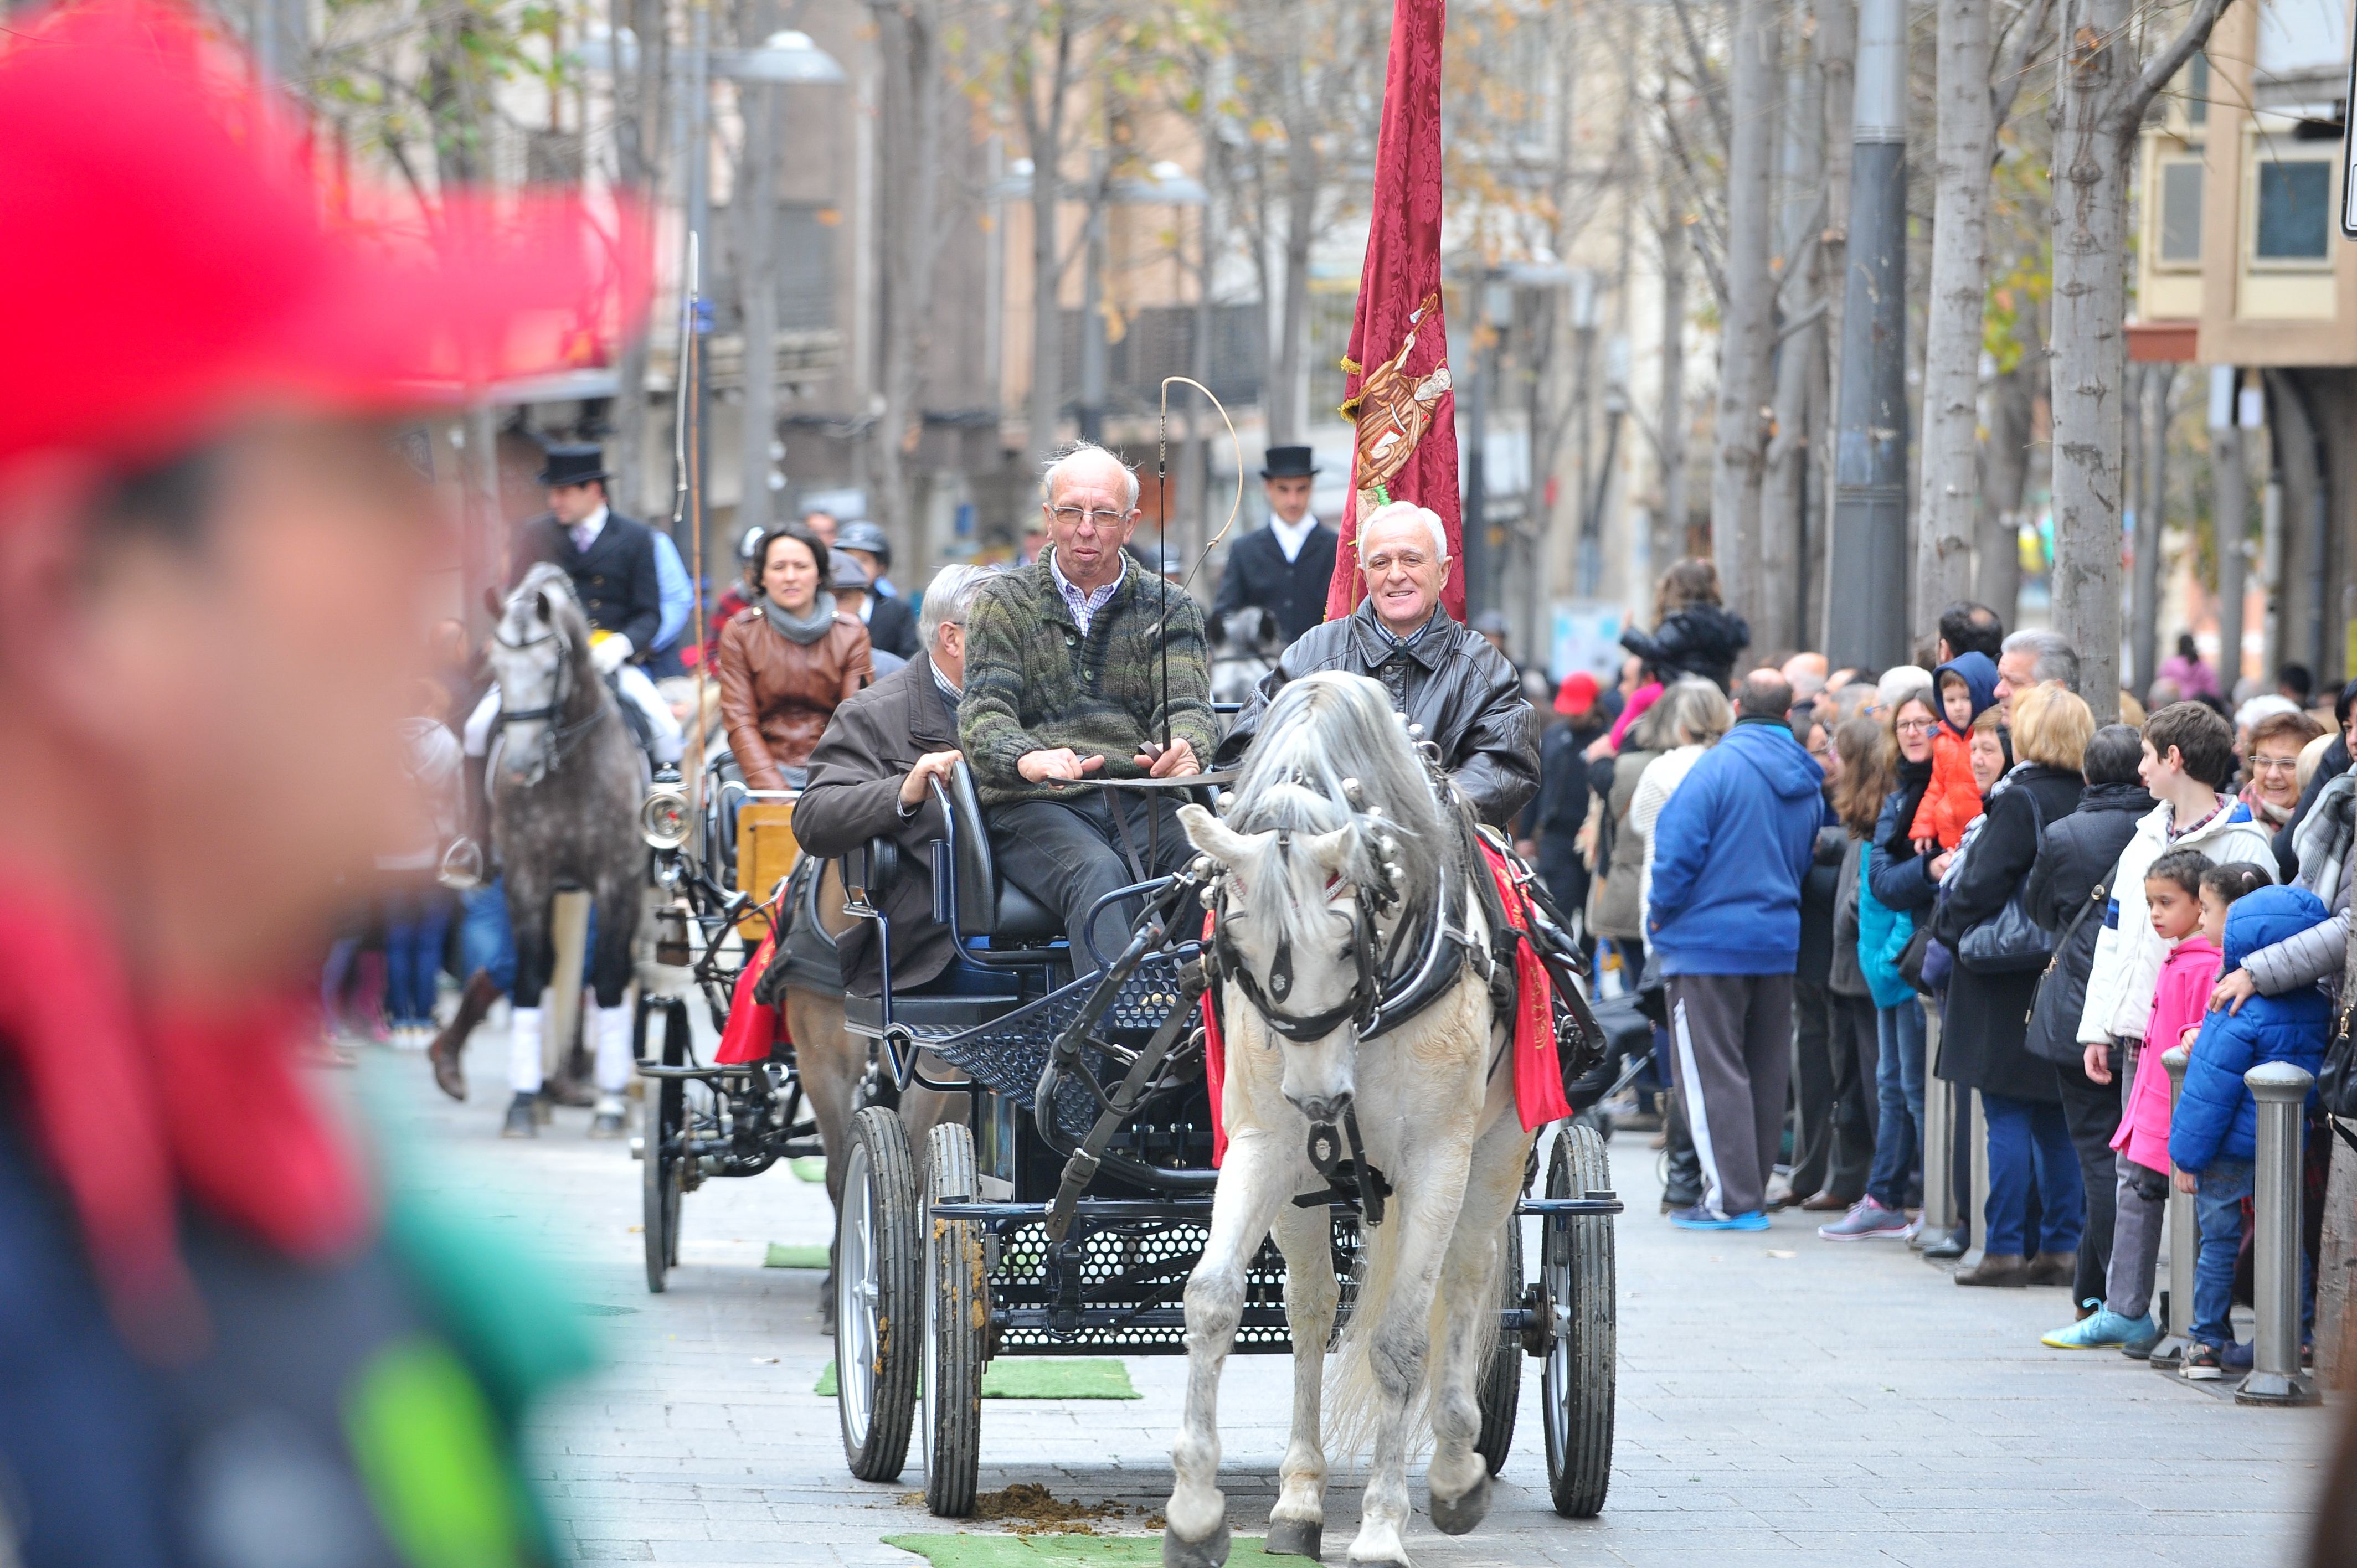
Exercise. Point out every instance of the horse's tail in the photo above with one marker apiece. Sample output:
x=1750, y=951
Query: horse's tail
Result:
x=1353, y=1392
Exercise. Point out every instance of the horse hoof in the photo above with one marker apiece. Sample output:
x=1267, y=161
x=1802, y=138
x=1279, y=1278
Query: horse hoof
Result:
x=1294, y=1538
x=606, y=1125
x=523, y=1118
x=1212, y=1552
x=1460, y=1515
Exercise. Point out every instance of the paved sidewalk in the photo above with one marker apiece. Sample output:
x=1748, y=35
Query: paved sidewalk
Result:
x=1781, y=1400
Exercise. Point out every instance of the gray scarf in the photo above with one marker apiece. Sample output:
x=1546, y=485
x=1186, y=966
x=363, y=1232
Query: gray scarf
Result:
x=805, y=630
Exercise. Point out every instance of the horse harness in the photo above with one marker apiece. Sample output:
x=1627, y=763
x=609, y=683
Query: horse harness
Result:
x=560, y=736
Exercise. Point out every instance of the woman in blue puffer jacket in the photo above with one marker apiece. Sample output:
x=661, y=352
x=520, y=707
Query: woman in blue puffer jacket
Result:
x=2213, y=1134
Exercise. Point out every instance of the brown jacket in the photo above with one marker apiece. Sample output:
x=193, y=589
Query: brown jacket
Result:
x=853, y=795
x=776, y=696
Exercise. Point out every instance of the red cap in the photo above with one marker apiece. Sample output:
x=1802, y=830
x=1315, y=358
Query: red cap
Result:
x=1577, y=694
x=178, y=256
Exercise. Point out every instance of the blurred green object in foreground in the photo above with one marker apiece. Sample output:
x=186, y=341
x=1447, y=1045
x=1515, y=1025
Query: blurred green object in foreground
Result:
x=784, y=1257
x=809, y=1167
x=1040, y=1378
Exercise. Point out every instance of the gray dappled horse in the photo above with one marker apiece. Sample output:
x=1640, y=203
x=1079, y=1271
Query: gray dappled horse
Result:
x=1335, y=841
x=1244, y=646
x=565, y=784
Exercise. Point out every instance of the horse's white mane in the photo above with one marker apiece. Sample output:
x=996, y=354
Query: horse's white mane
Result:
x=1328, y=727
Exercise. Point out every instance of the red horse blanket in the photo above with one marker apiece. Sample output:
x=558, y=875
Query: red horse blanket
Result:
x=1538, y=1072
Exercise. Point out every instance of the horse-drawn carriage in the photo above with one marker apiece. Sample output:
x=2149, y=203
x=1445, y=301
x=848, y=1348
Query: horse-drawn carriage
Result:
x=1058, y=1191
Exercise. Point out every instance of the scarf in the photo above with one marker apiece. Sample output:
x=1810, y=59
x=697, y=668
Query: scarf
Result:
x=1914, y=782
x=2275, y=816
x=136, y=1108
x=803, y=631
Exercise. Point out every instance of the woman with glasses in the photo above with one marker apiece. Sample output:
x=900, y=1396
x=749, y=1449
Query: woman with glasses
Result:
x=2271, y=765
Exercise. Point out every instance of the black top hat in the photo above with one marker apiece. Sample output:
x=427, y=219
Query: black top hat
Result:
x=1287, y=463
x=573, y=465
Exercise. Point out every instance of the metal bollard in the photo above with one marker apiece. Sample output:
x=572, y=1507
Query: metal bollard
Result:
x=2184, y=1236
x=1939, y=1192
x=1976, y=1218
x=2275, y=1377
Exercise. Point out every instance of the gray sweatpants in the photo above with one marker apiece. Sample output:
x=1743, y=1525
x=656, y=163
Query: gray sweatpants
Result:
x=2139, y=1219
x=1731, y=1054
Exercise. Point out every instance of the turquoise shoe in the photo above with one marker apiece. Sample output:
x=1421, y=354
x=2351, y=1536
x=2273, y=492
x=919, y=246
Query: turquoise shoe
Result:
x=2104, y=1329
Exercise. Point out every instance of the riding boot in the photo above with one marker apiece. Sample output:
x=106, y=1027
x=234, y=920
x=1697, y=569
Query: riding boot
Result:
x=450, y=1044
x=613, y=1070
x=1684, y=1188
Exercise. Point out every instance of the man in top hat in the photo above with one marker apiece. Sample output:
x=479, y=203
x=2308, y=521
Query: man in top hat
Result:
x=1285, y=567
x=611, y=560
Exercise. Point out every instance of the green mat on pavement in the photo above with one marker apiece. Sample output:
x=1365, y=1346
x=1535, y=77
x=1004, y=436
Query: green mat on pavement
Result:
x=1037, y=1378
x=1047, y=1550
x=782, y=1257
x=809, y=1167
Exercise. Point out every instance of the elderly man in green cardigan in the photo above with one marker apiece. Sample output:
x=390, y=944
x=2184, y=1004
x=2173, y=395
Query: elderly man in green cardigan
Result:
x=1064, y=685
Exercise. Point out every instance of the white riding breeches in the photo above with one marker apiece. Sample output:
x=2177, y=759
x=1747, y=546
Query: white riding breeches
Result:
x=636, y=688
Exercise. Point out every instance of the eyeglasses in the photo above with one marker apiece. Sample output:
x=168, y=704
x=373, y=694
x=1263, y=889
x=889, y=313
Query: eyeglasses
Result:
x=2273, y=764
x=1074, y=515
x=1918, y=727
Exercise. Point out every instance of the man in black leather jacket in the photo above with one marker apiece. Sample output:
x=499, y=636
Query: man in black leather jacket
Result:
x=1441, y=674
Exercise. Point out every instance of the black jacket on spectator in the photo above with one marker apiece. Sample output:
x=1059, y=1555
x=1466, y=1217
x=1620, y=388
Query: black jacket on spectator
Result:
x=1258, y=573
x=1555, y=814
x=1900, y=879
x=891, y=624
x=1820, y=892
x=1450, y=680
x=1848, y=976
x=615, y=576
x=2330, y=765
x=1987, y=1018
x=2077, y=853
x=1700, y=639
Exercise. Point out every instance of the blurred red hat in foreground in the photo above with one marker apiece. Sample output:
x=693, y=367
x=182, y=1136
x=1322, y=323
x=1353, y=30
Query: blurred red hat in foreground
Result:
x=178, y=256
x=1577, y=694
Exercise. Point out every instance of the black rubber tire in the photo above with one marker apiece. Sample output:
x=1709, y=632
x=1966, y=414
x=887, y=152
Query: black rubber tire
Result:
x=662, y=1174
x=1576, y=1261
x=957, y=1305
x=878, y=1249
x=1499, y=1389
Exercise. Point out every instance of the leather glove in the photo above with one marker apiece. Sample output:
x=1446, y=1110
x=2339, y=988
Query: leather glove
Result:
x=609, y=653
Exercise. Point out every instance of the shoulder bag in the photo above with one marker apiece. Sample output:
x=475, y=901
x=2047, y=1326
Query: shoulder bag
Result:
x=2010, y=941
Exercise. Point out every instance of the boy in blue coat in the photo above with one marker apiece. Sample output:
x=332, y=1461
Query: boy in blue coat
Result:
x=2213, y=1135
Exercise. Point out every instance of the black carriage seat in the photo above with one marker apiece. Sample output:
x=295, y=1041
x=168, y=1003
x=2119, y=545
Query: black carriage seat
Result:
x=969, y=896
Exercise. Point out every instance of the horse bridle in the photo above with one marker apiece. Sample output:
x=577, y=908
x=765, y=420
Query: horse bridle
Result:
x=559, y=736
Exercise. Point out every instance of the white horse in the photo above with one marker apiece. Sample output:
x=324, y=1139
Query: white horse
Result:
x=1245, y=644
x=1336, y=841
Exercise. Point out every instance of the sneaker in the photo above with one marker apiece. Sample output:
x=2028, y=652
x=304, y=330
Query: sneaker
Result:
x=1866, y=1220
x=2202, y=1363
x=2105, y=1329
x=1701, y=1219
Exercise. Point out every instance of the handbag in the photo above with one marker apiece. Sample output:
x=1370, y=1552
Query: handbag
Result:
x=2336, y=1075
x=2010, y=940
x=1910, y=961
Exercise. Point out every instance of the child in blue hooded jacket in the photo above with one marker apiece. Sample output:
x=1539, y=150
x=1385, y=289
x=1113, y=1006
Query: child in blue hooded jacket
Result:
x=2213, y=1135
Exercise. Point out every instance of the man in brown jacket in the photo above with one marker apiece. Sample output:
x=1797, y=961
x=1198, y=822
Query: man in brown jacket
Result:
x=871, y=776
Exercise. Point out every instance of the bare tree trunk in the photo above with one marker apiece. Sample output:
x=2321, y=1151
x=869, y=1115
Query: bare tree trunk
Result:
x=2005, y=475
x=1287, y=398
x=483, y=563
x=2152, y=506
x=914, y=231
x=1784, y=489
x=2229, y=513
x=1837, y=46
x=1670, y=533
x=1952, y=329
x=755, y=211
x=2099, y=103
x=639, y=109
x=1747, y=332
x=1043, y=128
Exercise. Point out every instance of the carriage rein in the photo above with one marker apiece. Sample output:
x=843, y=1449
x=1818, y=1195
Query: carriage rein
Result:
x=559, y=736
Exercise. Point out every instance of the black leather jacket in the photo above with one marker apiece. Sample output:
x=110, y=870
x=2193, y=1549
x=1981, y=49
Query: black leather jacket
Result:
x=1700, y=639
x=1462, y=691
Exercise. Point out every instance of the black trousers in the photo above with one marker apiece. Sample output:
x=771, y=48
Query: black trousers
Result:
x=1069, y=853
x=1812, y=1085
x=1854, y=1051
x=2091, y=1110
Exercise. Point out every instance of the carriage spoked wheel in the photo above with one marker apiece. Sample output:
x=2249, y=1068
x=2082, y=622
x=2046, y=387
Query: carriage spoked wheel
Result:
x=662, y=1155
x=1575, y=1268
x=1500, y=1392
x=879, y=1270
x=957, y=1303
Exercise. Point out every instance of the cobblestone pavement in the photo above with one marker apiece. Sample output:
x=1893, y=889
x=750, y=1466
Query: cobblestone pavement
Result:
x=1781, y=1400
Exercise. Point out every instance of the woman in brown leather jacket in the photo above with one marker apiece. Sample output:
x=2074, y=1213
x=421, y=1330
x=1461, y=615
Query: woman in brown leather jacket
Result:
x=786, y=660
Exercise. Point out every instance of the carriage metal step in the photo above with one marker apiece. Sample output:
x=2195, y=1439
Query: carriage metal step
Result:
x=1598, y=1200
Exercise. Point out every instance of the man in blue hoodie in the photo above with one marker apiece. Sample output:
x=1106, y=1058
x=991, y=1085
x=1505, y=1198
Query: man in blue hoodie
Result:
x=1729, y=852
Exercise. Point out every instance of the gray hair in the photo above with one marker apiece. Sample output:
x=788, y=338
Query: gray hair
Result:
x=1694, y=708
x=1053, y=471
x=2056, y=660
x=1392, y=511
x=947, y=599
x=1321, y=730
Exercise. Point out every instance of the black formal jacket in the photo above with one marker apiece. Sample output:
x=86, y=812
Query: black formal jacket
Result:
x=892, y=625
x=853, y=795
x=1985, y=1033
x=1462, y=691
x=2076, y=856
x=1258, y=573
x=615, y=579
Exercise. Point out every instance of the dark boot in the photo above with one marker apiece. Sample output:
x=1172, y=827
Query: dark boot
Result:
x=2054, y=1268
x=1683, y=1189
x=523, y=1119
x=1996, y=1269
x=450, y=1044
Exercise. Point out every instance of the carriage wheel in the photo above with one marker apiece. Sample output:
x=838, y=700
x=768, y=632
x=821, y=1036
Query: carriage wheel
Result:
x=1575, y=1265
x=662, y=1156
x=957, y=1303
x=1500, y=1390
x=877, y=1262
